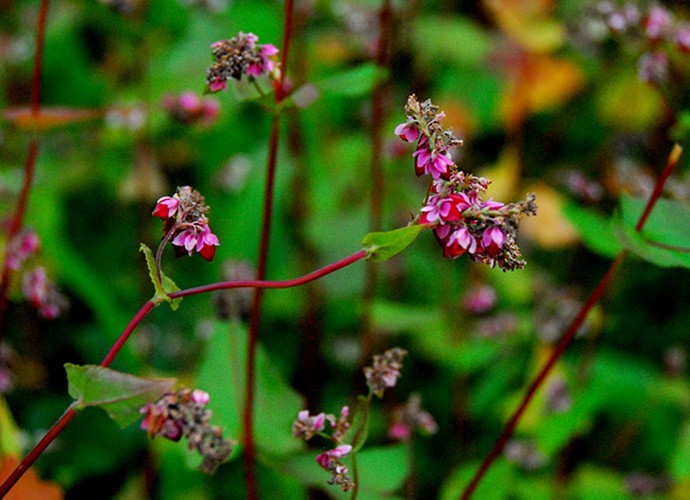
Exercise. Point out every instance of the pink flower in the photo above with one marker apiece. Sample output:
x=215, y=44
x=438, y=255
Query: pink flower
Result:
x=658, y=23
x=217, y=85
x=326, y=458
x=459, y=242
x=166, y=207
x=189, y=102
x=683, y=37
x=408, y=132
x=435, y=164
x=198, y=238
x=20, y=248
x=266, y=65
x=400, y=432
x=200, y=397
x=492, y=240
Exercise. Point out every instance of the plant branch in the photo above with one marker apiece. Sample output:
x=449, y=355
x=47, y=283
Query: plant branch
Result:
x=570, y=333
x=255, y=322
x=30, y=165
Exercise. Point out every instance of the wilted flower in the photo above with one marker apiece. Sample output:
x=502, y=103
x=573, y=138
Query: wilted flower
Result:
x=238, y=56
x=330, y=461
x=189, y=108
x=385, y=371
x=184, y=414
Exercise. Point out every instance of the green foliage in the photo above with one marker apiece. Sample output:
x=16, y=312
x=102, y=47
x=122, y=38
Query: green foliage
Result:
x=383, y=246
x=162, y=286
x=121, y=395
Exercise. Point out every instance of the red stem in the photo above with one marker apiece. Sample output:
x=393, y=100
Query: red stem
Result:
x=146, y=308
x=19, y=471
x=569, y=334
x=29, y=167
x=255, y=322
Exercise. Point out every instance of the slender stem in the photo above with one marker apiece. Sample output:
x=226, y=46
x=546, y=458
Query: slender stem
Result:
x=377, y=178
x=570, y=333
x=255, y=322
x=145, y=309
x=29, y=167
x=159, y=252
x=363, y=423
x=19, y=471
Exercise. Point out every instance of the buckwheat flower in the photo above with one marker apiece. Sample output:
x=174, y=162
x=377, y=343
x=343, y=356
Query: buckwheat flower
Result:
x=237, y=56
x=330, y=461
x=184, y=414
x=186, y=223
x=459, y=242
x=492, y=240
x=340, y=426
x=43, y=294
x=20, y=248
x=266, y=65
x=683, y=37
x=652, y=67
x=166, y=207
x=658, y=23
x=385, y=371
x=431, y=163
x=480, y=299
x=306, y=426
x=409, y=418
x=408, y=132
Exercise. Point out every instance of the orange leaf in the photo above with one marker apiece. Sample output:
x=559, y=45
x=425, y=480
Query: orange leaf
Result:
x=47, y=118
x=30, y=485
x=529, y=23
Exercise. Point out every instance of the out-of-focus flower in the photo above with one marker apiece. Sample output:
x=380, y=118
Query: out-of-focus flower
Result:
x=189, y=108
x=330, y=461
x=306, y=426
x=409, y=418
x=238, y=56
x=385, y=371
x=43, y=294
x=479, y=299
x=20, y=248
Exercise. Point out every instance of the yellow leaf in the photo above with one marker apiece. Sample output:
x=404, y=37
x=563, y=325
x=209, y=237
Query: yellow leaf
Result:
x=549, y=228
x=30, y=485
x=528, y=23
x=504, y=175
x=48, y=118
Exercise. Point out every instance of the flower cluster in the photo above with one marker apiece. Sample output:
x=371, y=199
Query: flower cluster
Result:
x=238, y=56
x=42, y=292
x=188, y=108
x=654, y=28
x=186, y=223
x=462, y=221
x=20, y=248
x=307, y=426
x=410, y=417
x=385, y=371
x=184, y=413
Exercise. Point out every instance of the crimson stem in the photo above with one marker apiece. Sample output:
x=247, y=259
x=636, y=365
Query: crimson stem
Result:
x=510, y=426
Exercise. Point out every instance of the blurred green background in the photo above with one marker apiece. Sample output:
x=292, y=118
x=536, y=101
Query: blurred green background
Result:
x=547, y=99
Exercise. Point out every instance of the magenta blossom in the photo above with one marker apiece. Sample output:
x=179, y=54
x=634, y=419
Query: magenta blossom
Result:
x=492, y=240
x=325, y=458
x=166, y=207
x=199, y=238
x=408, y=132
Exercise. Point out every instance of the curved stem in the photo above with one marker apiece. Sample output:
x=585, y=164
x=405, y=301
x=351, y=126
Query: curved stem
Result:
x=159, y=252
x=570, y=332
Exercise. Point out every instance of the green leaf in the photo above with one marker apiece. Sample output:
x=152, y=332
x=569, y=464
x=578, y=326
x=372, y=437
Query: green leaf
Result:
x=594, y=229
x=665, y=239
x=497, y=484
x=383, y=246
x=121, y=395
x=680, y=459
x=352, y=82
x=276, y=403
x=162, y=289
x=453, y=40
x=361, y=421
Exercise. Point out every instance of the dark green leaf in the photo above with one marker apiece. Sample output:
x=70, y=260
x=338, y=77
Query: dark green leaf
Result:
x=119, y=394
x=383, y=246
